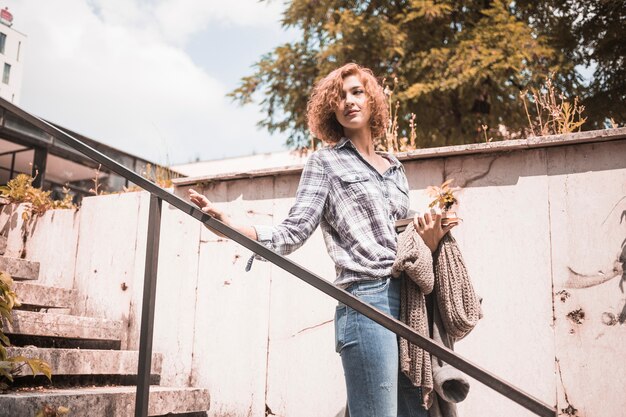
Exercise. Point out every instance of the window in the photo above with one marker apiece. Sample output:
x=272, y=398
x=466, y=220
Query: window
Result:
x=6, y=74
x=3, y=40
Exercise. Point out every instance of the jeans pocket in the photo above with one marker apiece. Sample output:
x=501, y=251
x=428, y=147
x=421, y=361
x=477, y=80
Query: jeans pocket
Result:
x=371, y=287
x=341, y=317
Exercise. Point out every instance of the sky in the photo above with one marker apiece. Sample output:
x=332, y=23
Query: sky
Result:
x=149, y=77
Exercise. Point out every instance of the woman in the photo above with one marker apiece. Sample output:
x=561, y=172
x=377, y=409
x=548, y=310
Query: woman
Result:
x=355, y=194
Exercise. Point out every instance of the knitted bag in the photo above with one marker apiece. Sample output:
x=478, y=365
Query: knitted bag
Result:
x=458, y=304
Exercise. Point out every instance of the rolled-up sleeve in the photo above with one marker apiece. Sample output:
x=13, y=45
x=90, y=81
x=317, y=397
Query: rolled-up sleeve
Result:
x=304, y=216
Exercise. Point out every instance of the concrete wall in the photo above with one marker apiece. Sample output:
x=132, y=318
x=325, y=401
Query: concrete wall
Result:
x=544, y=228
x=32, y=237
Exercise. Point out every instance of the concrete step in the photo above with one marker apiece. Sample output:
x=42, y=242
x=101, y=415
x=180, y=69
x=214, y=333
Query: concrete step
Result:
x=19, y=269
x=86, y=361
x=62, y=326
x=34, y=295
x=105, y=401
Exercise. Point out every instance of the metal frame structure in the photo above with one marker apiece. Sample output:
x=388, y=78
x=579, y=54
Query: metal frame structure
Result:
x=158, y=195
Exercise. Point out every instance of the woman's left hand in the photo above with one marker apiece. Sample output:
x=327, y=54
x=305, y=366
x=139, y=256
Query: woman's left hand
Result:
x=430, y=229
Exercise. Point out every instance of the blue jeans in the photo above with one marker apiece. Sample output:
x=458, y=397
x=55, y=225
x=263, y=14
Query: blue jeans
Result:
x=369, y=354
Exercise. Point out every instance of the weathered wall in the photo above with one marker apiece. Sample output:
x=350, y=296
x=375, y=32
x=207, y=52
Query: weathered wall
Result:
x=543, y=231
x=513, y=238
x=588, y=230
x=33, y=237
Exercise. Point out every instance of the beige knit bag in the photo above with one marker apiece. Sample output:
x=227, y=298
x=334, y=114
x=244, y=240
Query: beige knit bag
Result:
x=415, y=261
x=458, y=304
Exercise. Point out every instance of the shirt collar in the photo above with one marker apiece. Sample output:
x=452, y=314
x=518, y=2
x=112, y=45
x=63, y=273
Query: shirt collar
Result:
x=395, y=162
x=344, y=141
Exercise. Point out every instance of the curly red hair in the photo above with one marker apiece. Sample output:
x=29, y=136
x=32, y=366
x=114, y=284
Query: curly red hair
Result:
x=327, y=95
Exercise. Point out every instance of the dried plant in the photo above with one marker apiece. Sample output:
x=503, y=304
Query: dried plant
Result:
x=485, y=128
x=393, y=142
x=161, y=176
x=443, y=195
x=96, y=183
x=554, y=114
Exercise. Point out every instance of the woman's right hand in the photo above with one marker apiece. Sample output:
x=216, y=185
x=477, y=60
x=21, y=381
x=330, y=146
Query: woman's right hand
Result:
x=209, y=208
x=205, y=204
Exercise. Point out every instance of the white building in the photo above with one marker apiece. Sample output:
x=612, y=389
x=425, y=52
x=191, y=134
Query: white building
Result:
x=11, y=56
x=242, y=164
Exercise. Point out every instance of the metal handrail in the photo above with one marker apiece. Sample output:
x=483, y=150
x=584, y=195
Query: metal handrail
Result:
x=158, y=194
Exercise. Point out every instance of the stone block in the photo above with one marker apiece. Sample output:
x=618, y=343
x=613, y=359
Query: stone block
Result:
x=51, y=239
x=43, y=296
x=104, y=401
x=19, y=269
x=110, y=256
x=86, y=361
x=14, y=228
x=176, y=286
x=63, y=326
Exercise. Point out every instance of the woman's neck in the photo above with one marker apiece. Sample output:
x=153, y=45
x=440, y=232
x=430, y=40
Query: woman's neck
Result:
x=362, y=141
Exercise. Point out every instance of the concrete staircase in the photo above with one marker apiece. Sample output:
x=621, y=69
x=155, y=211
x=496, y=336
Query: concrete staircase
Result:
x=91, y=375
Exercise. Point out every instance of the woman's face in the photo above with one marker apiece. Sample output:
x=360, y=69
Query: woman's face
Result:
x=353, y=112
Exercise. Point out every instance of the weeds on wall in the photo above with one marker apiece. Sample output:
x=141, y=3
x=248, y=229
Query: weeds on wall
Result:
x=11, y=365
x=552, y=112
x=547, y=109
x=161, y=176
x=394, y=142
x=20, y=190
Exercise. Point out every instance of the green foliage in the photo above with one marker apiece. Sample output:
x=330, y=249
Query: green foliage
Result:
x=10, y=365
x=20, y=190
x=459, y=65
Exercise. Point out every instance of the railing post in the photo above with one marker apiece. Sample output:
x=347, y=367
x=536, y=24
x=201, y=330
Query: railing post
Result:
x=147, y=308
x=39, y=166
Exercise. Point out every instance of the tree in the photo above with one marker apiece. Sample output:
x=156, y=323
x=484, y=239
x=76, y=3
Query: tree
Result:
x=590, y=34
x=457, y=65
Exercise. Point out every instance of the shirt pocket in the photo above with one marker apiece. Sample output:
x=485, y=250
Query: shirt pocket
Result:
x=356, y=186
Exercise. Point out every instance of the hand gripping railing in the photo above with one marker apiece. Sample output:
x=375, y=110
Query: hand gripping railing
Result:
x=157, y=194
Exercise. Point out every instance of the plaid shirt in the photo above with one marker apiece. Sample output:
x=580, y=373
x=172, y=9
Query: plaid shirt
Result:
x=356, y=207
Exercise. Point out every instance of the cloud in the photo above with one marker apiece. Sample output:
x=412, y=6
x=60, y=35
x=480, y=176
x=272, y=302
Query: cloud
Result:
x=115, y=70
x=180, y=18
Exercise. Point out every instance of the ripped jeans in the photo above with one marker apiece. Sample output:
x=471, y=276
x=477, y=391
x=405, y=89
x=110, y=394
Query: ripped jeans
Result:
x=369, y=355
